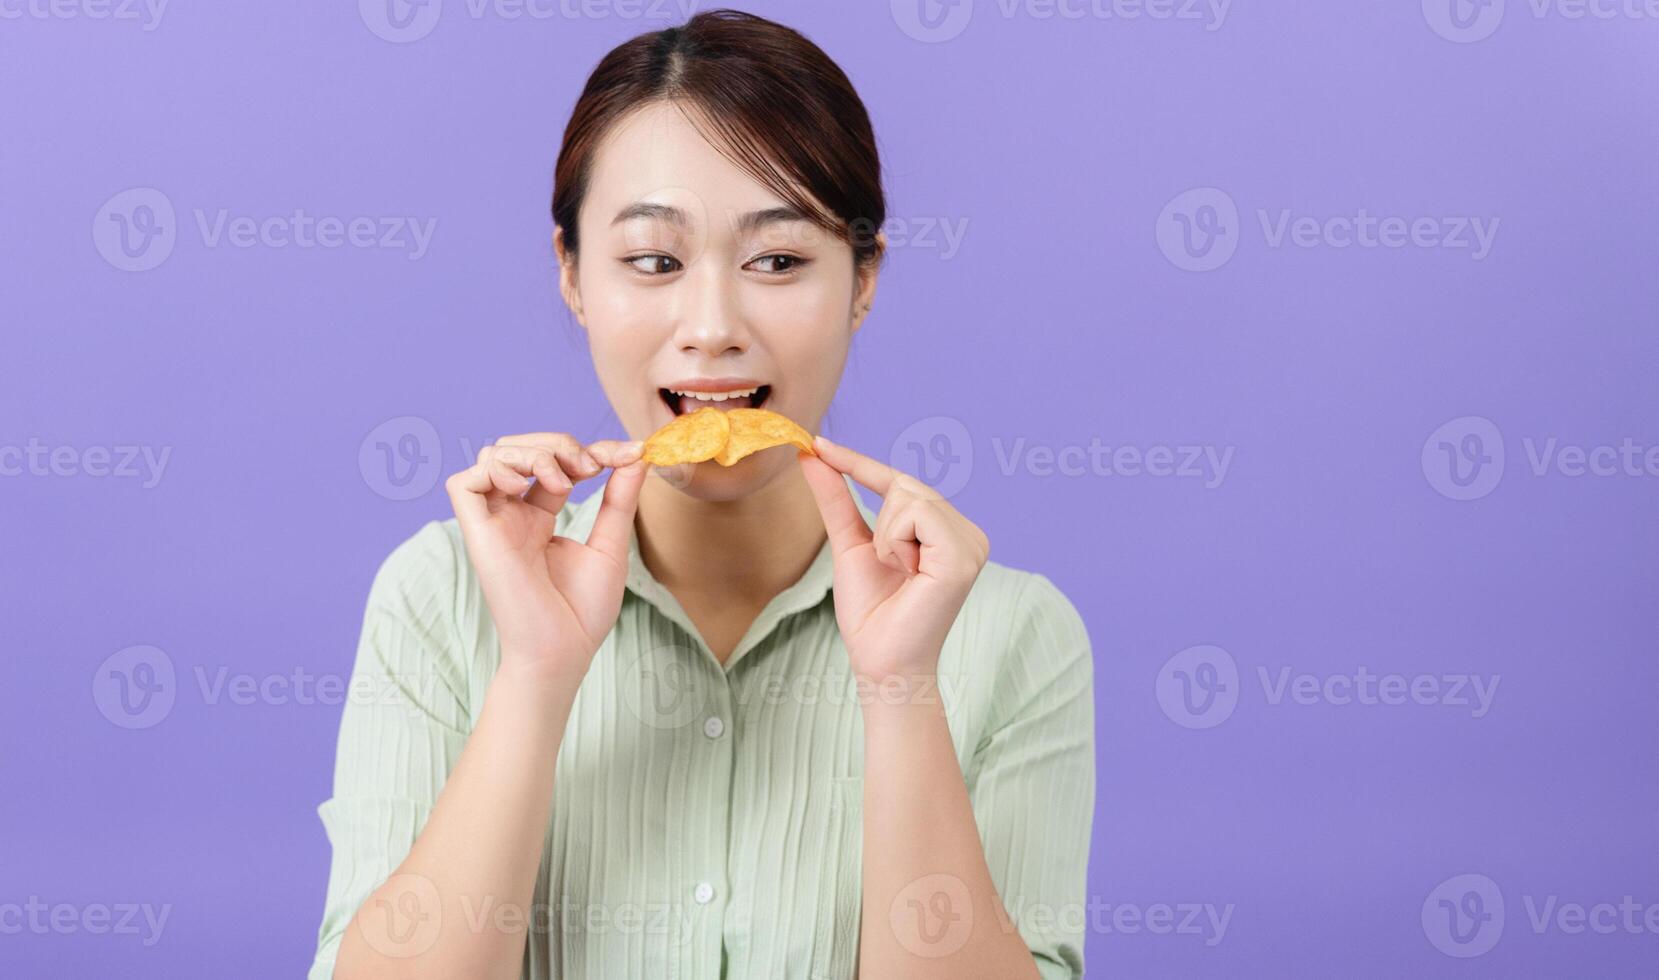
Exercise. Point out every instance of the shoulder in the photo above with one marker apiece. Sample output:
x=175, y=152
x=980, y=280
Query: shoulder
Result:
x=1022, y=613
x=1018, y=648
x=420, y=572
x=426, y=621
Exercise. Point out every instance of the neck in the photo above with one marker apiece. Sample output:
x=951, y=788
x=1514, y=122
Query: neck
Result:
x=749, y=549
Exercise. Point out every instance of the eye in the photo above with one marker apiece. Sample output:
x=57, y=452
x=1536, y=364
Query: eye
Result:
x=654, y=264
x=780, y=264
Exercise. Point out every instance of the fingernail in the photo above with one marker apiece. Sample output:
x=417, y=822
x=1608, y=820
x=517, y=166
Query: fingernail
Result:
x=822, y=441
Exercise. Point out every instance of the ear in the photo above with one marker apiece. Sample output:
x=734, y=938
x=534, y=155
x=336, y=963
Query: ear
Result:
x=567, y=276
x=864, y=295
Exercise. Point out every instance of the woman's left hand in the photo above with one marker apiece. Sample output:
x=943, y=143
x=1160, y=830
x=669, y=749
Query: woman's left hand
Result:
x=899, y=586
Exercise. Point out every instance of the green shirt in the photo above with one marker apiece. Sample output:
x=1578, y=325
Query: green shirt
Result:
x=707, y=818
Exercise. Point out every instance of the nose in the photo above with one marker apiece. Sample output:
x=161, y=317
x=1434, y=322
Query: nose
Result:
x=710, y=322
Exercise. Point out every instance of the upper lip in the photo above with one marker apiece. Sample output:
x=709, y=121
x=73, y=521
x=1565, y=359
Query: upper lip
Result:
x=713, y=384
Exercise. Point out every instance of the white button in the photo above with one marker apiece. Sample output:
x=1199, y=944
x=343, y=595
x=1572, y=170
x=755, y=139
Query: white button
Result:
x=704, y=893
x=713, y=726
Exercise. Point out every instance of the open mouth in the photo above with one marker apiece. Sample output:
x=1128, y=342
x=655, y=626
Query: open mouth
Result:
x=681, y=402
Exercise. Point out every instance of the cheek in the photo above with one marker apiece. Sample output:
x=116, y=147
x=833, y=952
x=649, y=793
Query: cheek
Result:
x=808, y=343
x=621, y=323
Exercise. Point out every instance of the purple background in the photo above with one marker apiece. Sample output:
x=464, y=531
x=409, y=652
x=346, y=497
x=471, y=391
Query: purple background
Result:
x=1055, y=144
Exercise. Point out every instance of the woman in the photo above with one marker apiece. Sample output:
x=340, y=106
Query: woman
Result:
x=719, y=721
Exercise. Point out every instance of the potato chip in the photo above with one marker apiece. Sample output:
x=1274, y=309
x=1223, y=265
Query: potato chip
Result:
x=754, y=429
x=690, y=438
x=723, y=435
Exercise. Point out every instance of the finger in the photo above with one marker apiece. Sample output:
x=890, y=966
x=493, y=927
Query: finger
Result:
x=466, y=493
x=868, y=472
x=615, y=452
x=552, y=490
x=891, y=547
x=552, y=487
x=615, y=523
x=899, y=543
x=952, y=555
x=507, y=479
x=576, y=462
x=842, y=519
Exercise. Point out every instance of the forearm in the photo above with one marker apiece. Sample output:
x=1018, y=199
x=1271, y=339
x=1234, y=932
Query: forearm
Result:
x=473, y=868
x=931, y=910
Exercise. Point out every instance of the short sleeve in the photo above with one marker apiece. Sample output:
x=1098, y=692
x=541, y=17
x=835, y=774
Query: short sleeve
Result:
x=1032, y=778
x=402, y=729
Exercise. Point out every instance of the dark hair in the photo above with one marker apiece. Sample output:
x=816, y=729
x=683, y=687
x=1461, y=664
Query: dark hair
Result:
x=777, y=105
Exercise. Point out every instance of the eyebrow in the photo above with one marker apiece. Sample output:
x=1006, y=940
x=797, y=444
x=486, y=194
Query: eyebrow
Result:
x=743, y=225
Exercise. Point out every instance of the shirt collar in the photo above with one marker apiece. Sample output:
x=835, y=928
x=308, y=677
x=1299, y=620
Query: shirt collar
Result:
x=806, y=592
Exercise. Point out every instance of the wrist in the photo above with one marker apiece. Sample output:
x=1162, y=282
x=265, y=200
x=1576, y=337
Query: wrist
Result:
x=550, y=680
x=900, y=698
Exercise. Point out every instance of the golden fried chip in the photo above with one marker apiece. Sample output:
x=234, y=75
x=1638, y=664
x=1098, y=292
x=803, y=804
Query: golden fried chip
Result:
x=754, y=429
x=723, y=435
x=690, y=438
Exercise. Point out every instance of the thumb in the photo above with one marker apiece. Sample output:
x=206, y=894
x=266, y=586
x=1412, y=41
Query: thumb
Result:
x=615, y=523
x=842, y=519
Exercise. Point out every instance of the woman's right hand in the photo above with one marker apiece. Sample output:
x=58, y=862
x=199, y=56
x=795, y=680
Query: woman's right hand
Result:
x=553, y=599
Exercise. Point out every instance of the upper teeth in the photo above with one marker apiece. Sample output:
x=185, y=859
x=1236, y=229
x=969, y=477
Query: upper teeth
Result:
x=715, y=396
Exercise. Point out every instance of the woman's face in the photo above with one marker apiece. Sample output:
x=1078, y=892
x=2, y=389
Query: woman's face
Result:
x=694, y=278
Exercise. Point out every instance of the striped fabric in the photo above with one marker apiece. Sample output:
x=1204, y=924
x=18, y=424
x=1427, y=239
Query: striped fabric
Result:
x=707, y=820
